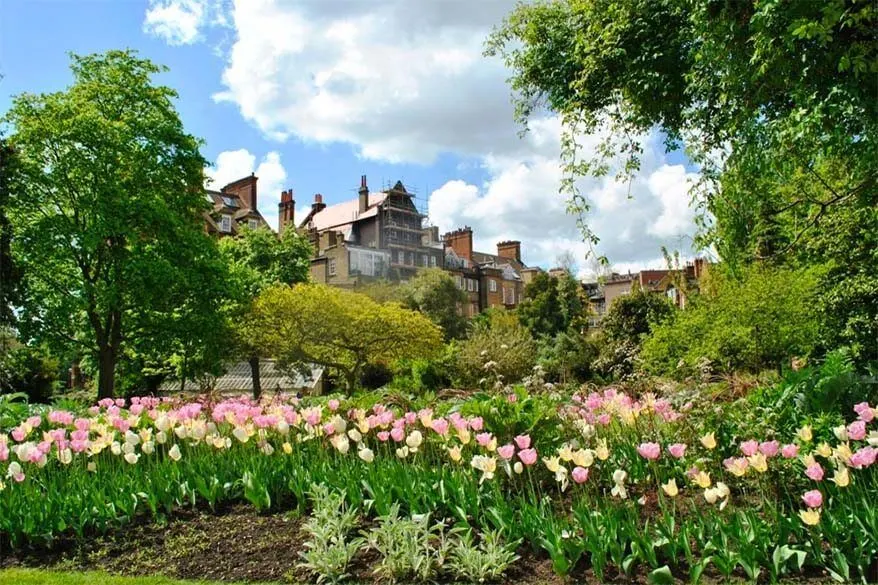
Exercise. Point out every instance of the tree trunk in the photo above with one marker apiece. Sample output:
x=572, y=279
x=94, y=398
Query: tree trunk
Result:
x=254, y=374
x=106, y=372
x=184, y=370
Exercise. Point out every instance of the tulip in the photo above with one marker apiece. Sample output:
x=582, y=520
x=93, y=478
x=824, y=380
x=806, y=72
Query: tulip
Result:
x=813, y=498
x=709, y=441
x=649, y=451
x=174, y=453
x=454, y=453
x=518, y=467
x=790, y=451
x=670, y=488
x=583, y=458
x=805, y=434
x=131, y=458
x=528, y=456
x=440, y=426
x=701, y=479
x=814, y=472
x=842, y=477
x=506, y=451
x=602, y=452
x=366, y=454
x=749, y=448
x=677, y=450
x=824, y=450
x=769, y=448
x=287, y=448
x=865, y=413
x=810, y=517
x=579, y=474
x=414, y=440
x=857, y=430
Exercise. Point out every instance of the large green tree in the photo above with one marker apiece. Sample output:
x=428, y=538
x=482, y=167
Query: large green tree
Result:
x=9, y=276
x=106, y=209
x=434, y=292
x=258, y=259
x=552, y=305
x=775, y=100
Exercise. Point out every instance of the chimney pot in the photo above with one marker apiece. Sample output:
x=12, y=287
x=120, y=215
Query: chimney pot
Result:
x=318, y=198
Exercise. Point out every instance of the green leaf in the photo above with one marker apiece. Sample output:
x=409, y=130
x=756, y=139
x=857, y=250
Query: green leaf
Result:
x=661, y=576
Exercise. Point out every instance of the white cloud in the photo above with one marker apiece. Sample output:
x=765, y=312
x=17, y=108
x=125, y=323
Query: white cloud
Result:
x=405, y=81
x=235, y=164
x=178, y=22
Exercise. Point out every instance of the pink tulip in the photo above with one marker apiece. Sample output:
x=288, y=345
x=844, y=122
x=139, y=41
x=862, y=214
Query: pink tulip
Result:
x=397, y=434
x=484, y=438
x=814, y=472
x=864, y=411
x=769, y=448
x=18, y=434
x=528, y=456
x=650, y=451
x=579, y=474
x=677, y=450
x=604, y=419
x=749, y=448
x=440, y=425
x=383, y=436
x=506, y=451
x=813, y=498
x=476, y=424
x=863, y=457
x=790, y=451
x=523, y=441
x=512, y=398
x=329, y=429
x=857, y=430
x=333, y=405
x=411, y=418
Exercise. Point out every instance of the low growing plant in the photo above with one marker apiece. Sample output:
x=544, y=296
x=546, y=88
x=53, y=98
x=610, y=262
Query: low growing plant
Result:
x=411, y=549
x=483, y=562
x=328, y=551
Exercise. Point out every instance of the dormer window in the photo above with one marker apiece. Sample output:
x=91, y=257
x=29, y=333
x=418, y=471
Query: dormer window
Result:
x=252, y=224
x=226, y=223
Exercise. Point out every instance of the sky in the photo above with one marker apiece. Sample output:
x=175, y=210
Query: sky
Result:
x=312, y=94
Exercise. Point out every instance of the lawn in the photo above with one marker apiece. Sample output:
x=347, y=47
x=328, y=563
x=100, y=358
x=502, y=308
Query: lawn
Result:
x=40, y=577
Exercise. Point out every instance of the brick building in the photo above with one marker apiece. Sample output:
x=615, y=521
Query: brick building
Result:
x=490, y=280
x=234, y=207
x=375, y=236
x=665, y=282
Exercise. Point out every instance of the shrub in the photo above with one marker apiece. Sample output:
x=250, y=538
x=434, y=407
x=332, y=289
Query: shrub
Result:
x=434, y=293
x=328, y=552
x=375, y=375
x=760, y=320
x=410, y=548
x=498, y=348
x=569, y=357
x=30, y=371
x=487, y=561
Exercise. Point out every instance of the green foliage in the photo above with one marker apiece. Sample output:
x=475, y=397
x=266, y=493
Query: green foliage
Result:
x=29, y=371
x=551, y=305
x=435, y=293
x=342, y=330
x=328, y=550
x=424, y=375
x=629, y=320
x=484, y=562
x=259, y=258
x=774, y=101
x=9, y=274
x=760, y=321
x=106, y=204
x=569, y=356
x=410, y=549
x=498, y=348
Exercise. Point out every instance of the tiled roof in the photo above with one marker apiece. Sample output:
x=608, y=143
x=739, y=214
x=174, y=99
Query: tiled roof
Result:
x=345, y=213
x=498, y=261
x=238, y=379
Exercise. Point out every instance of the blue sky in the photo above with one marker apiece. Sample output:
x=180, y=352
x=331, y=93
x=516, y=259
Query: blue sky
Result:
x=313, y=94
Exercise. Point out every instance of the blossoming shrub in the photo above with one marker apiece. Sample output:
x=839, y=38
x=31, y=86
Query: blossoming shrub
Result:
x=617, y=482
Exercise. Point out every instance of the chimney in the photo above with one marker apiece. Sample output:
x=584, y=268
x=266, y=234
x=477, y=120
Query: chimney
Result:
x=318, y=204
x=245, y=189
x=364, y=194
x=461, y=241
x=511, y=250
x=286, y=210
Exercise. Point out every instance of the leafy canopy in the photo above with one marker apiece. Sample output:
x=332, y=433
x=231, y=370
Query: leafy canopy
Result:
x=434, y=293
x=106, y=209
x=342, y=330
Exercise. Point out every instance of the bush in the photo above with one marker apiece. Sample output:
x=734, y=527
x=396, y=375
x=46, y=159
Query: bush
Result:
x=498, y=348
x=569, y=357
x=761, y=320
x=375, y=375
x=29, y=370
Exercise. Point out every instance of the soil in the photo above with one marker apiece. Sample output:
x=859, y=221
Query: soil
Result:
x=237, y=544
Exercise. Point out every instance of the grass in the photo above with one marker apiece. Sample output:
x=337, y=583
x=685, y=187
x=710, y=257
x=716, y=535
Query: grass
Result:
x=40, y=577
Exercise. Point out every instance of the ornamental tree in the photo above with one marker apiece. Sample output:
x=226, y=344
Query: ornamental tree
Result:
x=106, y=211
x=338, y=329
x=434, y=293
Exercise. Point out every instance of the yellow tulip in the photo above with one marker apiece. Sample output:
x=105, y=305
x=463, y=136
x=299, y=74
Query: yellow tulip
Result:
x=709, y=441
x=810, y=517
x=670, y=488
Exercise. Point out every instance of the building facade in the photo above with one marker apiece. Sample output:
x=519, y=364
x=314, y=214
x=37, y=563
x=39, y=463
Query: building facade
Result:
x=234, y=208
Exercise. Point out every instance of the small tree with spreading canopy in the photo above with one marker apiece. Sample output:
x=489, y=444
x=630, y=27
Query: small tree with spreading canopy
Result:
x=338, y=329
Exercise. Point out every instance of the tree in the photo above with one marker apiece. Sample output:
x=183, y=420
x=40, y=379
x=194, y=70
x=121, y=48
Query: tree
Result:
x=552, y=305
x=9, y=277
x=434, y=293
x=759, y=321
x=258, y=259
x=338, y=329
x=106, y=207
x=775, y=101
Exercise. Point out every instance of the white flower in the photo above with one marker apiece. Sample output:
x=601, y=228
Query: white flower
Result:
x=174, y=453
x=414, y=440
x=355, y=435
x=366, y=454
x=148, y=448
x=131, y=458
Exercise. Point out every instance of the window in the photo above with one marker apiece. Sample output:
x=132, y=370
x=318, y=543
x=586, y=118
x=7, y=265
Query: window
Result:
x=425, y=260
x=230, y=202
x=226, y=223
x=253, y=224
x=354, y=262
x=460, y=283
x=470, y=284
x=433, y=261
x=332, y=267
x=411, y=259
x=492, y=285
x=395, y=256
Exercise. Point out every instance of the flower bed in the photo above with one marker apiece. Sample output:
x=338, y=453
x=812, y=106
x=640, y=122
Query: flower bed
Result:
x=600, y=479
